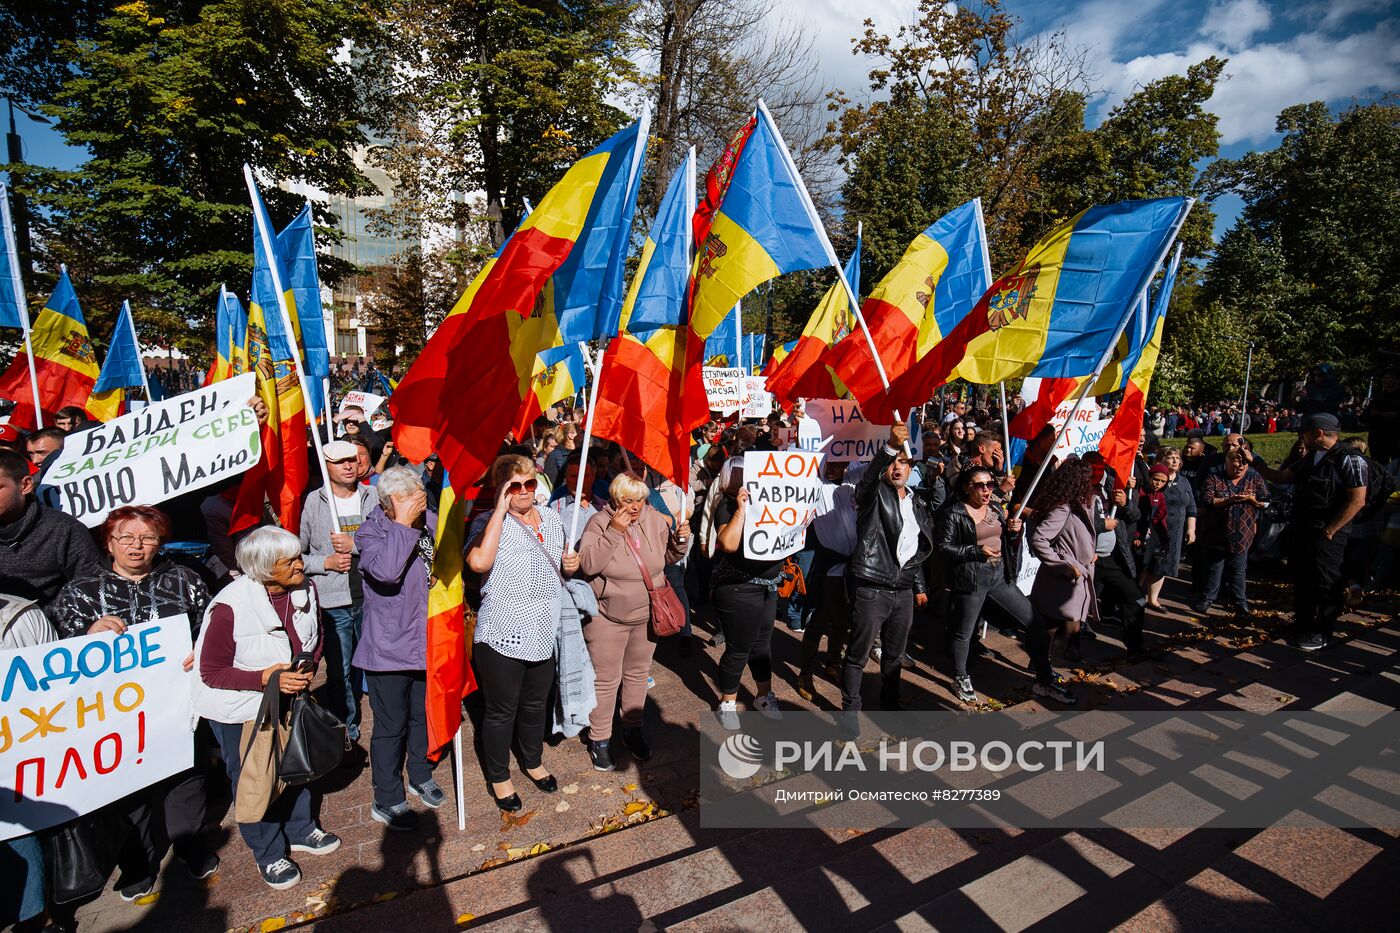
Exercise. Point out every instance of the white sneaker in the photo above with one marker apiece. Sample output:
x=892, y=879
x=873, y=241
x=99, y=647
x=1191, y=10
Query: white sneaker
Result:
x=768, y=706
x=729, y=715
x=875, y=654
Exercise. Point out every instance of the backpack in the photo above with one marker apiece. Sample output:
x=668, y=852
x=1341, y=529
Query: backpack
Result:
x=1380, y=486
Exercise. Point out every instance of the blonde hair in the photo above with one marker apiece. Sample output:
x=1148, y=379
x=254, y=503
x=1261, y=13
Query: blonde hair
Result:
x=511, y=465
x=626, y=486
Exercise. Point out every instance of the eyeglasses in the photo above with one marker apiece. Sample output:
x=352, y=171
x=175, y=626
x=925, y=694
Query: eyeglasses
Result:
x=143, y=540
x=982, y=485
x=529, y=485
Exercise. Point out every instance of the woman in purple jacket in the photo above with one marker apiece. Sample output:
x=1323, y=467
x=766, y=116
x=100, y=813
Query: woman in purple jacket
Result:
x=396, y=562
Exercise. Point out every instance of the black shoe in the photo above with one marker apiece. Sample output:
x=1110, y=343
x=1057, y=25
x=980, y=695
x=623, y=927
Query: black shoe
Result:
x=548, y=783
x=202, y=866
x=602, y=756
x=687, y=646
x=1312, y=642
x=1087, y=631
x=281, y=874
x=509, y=804
x=718, y=640
x=1072, y=653
x=137, y=889
x=636, y=744
x=399, y=817
x=1201, y=609
x=982, y=652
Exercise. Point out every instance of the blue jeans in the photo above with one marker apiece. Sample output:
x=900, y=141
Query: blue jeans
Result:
x=344, y=685
x=1221, y=565
x=792, y=610
x=288, y=819
x=23, y=865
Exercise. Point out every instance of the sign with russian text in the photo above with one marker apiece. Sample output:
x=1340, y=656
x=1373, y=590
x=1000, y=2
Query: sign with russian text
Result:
x=88, y=720
x=367, y=402
x=838, y=429
x=759, y=401
x=725, y=388
x=1083, y=433
x=163, y=451
x=785, y=492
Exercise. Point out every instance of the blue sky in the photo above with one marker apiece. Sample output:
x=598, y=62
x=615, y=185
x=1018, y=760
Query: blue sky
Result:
x=1280, y=54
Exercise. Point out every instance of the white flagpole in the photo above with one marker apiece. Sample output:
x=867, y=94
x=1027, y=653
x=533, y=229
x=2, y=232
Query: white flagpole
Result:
x=820, y=228
x=21, y=302
x=329, y=338
x=131, y=321
x=739, y=336
x=457, y=779
x=1107, y=354
x=597, y=369
x=265, y=235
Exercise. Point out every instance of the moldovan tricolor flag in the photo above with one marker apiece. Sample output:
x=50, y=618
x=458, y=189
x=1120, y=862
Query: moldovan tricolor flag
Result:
x=448, y=651
x=933, y=286
x=779, y=355
x=121, y=370
x=281, y=474
x=800, y=372
x=296, y=245
x=1120, y=442
x=760, y=224
x=230, y=339
x=65, y=365
x=466, y=389
x=1060, y=312
x=650, y=396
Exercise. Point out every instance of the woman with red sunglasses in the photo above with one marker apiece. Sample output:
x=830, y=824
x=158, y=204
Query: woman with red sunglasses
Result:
x=518, y=548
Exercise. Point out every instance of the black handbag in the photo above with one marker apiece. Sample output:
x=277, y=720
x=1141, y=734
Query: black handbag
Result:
x=81, y=855
x=316, y=742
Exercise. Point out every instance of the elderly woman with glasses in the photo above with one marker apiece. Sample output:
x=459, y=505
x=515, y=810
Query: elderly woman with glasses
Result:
x=396, y=548
x=625, y=540
x=981, y=547
x=141, y=587
x=254, y=629
x=518, y=549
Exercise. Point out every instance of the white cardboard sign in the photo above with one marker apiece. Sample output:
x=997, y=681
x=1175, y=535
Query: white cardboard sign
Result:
x=162, y=451
x=785, y=494
x=725, y=388
x=88, y=720
x=837, y=428
x=759, y=402
x=366, y=401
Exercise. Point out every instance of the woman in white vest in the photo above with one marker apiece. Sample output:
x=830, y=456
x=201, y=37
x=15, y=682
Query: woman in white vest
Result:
x=252, y=630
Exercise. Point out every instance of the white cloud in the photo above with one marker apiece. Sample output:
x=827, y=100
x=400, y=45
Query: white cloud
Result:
x=832, y=24
x=1260, y=81
x=1234, y=22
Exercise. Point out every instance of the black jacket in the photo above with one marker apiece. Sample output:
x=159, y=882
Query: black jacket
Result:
x=878, y=523
x=41, y=551
x=955, y=545
x=1128, y=517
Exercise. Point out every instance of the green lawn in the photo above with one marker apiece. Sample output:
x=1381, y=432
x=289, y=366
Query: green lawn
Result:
x=1272, y=447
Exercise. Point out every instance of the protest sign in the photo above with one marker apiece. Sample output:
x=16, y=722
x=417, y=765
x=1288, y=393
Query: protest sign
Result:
x=838, y=429
x=724, y=388
x=785, y=489
x=1025, y=579
x=759, y=402
x=164, y=450
x=367, y=402
x=1084, y=432
x=89, y=720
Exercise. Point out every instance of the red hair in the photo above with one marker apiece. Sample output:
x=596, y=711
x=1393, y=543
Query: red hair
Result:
x=149, y=514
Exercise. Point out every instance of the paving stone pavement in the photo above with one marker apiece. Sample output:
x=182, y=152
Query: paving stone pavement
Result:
x=624, y=851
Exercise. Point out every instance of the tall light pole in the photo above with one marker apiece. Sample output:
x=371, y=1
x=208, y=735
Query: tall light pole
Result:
x=1248, y=363
x=19, y=205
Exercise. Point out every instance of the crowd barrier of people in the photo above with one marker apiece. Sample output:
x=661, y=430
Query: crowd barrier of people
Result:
x=566, y=588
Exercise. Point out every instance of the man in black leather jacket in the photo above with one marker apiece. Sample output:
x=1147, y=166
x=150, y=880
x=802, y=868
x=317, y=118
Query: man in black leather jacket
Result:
x=894, y=534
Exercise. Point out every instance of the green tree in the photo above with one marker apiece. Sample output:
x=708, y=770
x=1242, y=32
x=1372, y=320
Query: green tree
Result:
x=1310, y=261
x=170, y=99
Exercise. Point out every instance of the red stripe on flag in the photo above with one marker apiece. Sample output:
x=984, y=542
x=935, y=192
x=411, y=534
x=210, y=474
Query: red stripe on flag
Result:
x=1119, y=443
x=895, y=338
x=1028, y=422
x=450, y=677
x=59, y=386
x=916, y=384
x=529, y=258
x=802, y=374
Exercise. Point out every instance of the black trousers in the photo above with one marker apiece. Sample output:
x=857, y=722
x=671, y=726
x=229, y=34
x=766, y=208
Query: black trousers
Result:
x=397, y=699
x=515, y=694
x=1315, y=564
x=966, y=608
x=885, y=613
x=832, y=619
x=746, y=613
x=1120, y=588
x=169, y=813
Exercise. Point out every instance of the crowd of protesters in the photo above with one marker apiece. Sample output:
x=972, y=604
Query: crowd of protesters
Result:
x=572, y=566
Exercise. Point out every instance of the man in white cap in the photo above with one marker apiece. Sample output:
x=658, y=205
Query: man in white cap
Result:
x=328, y=545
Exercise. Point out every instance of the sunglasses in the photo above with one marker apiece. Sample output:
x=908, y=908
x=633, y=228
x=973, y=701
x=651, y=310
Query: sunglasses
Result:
x=515, y=489
x=982, y=485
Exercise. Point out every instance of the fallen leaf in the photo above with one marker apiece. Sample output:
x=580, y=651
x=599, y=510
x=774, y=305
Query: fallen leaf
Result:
x=607, y=791
x=272, y=923
x=636, y=806
x=539, y=848
x=465, y=919
x=561, y=806
x=629, y=788
x=479, y=847
x=510, y=821
x=386, y=896
x=570, y=788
